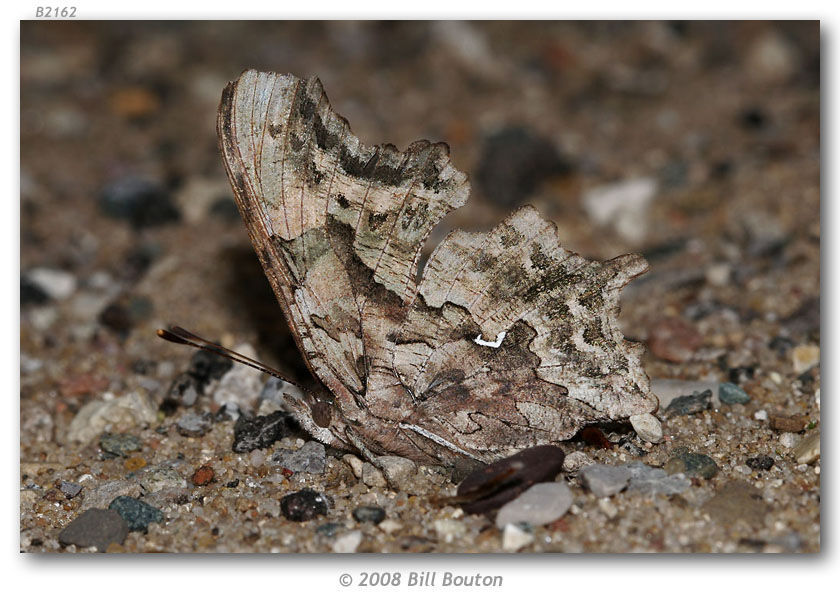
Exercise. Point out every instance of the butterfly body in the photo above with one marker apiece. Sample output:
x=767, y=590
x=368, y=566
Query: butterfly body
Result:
x=507, y=341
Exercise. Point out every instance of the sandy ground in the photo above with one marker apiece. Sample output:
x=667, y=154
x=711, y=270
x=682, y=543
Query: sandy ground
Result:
x=716, y=123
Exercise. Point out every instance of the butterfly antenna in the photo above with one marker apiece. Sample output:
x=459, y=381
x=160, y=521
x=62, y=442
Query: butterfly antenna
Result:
x=179, y=335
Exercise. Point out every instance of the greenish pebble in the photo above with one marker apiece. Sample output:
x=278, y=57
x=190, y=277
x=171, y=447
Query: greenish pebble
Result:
x=732, y=394
x=690, y=404
x=119, y=444
x=136, y=513
x=691, y=463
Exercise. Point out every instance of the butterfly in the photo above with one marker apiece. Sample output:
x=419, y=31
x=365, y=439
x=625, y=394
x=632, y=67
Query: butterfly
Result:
x=507, y=341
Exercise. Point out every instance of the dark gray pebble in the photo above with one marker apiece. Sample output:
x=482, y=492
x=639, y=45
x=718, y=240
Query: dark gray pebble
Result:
x=96, y=527
x=328, y=529
x=369, y=514
x=69, y=489
x=692, y=464
x=31, y=293
x=729, y=393
x=251, y=433
x=514, y=162
x=136, y=513
x=119, y=444
x=304, y=505
x=762, y=462
x=691, y=404
x=311, y=458
x=141, y=202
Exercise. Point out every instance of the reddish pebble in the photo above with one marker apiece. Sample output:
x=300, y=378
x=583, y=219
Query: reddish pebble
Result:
x=674, y=340
x=287, y=472
x=203, y=475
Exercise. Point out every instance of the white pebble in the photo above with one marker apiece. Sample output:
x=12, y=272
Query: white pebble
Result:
x=449, y=529
x=57, y=284
x=607, y=507
x=347, y=542
x=760, y=415
x=788, y=439
x=514, y=538
x=648, y=427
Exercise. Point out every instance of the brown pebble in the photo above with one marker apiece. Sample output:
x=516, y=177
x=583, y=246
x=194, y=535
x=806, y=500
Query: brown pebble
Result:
x=674, y=339
x=793, y=423
x=203, y=475
x=134, y=463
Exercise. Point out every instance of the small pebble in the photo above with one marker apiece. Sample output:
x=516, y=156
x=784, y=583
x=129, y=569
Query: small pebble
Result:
x=791, y=423
x=57, y=284
x=31, y=293
x=576, y=460
x=304, y=505
x=329, y=529
x=808, y=449
x=69, y=489
x=400, y=472
x=760, y=415
x=347, y=542
x=203, y=475
x=788, y=439
x=692, y=464
x=674, y=339
x=540, y=504
x=762, y=462
x=183, y=391
x=356, y=464
x=103, y=494
x=605, y=480
x=607, y=507
x=122, y=315
x=194, y=424
x=730, y=393
x=157, y=478
x=136, y=513
x=390, y=525
x=241, y=385
x=805, y=357
x=514, y=538
x=373, y=477
x=134, y=463
x=689, y=405
x=119, y=444
x=651, y=481
x=448, y=530
x=623, y=205
x=668, y=389
x=513, y=162
x=311, y=458
x=130, y=411
x=250, y=433
x=95, y=527
x=647, y=427
x=369, y=514
x=141, y=202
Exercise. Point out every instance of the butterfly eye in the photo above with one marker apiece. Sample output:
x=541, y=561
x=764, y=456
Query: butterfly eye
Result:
x=321, y=413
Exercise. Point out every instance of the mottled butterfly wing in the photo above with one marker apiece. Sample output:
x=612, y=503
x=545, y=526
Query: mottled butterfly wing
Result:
x=514, y=341
x=338, y=227
x=508, y=341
